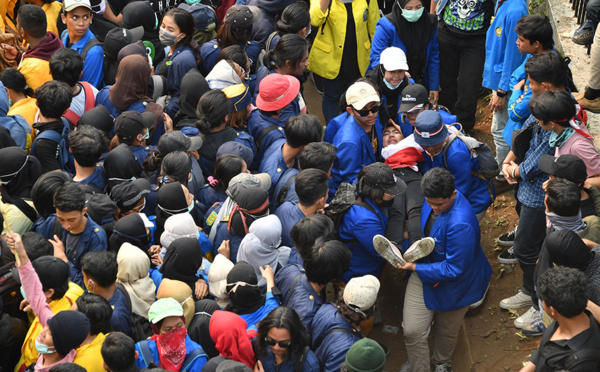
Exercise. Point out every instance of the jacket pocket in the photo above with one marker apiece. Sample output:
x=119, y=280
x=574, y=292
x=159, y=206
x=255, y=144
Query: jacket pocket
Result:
x=319, y=44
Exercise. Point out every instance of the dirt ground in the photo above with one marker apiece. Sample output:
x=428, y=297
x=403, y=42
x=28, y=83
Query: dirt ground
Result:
x=489, y=341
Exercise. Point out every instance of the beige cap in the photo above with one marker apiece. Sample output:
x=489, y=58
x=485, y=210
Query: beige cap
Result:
x=360, y=293
x=360, y=94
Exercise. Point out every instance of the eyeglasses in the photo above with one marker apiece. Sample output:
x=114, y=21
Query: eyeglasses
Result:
x=365, y=113
x=282, y=344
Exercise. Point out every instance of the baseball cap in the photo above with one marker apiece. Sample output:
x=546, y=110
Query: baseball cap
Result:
x=72, y=4
x=360, y=94
x=119, y=37
x=414, y=97
x=361, y=292
x=53, y=272
x=177, y=141
x=246, y=180
x=232, y=366
x=241, y=17
x=238, y=96
x=127, y=194
x=164, y=308
x=236, y=148
x=569, y=167
x=393, y=59
x=381, y=176
x=132, y=49
x=430, y=129
x=131, y=123
x=276, y=91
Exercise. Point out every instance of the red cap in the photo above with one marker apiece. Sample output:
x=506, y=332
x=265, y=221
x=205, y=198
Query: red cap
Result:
x=277, y=91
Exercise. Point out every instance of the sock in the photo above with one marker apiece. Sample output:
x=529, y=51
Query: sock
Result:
x=591, y=94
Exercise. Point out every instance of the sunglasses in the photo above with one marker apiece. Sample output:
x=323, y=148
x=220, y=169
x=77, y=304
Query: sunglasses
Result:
x=365, y=113
x=282, y=344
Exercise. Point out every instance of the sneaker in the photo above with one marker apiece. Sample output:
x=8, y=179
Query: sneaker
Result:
x=517, y=301
x=442, y=367
x=535, y=328
x=405, y=367
x=478, y=303
x=507, y=240
x=508, y=257
x=590, y=105
x=584, y=35
x=419, y=249
x=388, y=251
x=529, y=317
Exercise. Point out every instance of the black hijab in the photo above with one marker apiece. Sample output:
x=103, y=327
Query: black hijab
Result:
x=251, y=204
x=129, y=229
x=182, y=261
x=140, y=13
x=5, y=139
x=171, y=201
x=242, y=286
x=193, y=86
x=198, y=330
x=120, y=165
x=415, y=36
x=20, y=171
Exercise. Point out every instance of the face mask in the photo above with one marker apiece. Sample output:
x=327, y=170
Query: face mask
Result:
x=23, y=293
x=146, y=136
x=190, y=177
x=166, y=38
x=155, y=21
x=43, y=348
x=10, y=102
x=412, y=15
x=386, y=203
x=191, y=207
x=390, y=86
x=309, y=31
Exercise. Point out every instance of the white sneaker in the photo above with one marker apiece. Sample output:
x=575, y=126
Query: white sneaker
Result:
x=388, y=251
x=419, y=249
x=517, y=301
x=405, y=367
x=527, y=318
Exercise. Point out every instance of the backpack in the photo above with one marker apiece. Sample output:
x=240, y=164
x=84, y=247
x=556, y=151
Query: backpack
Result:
x=140, y=326
x=90, y=102
x=280, y=198
x=263, y=52
x=187, y=362
x=345, y=197
x=488, y=167
x=62, y=141
x=90, y=44
x=205, y=18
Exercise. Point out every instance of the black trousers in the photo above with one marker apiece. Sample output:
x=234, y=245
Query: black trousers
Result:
x=407, y=206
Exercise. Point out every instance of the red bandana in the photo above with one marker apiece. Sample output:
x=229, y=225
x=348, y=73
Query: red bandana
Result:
x=171, y=348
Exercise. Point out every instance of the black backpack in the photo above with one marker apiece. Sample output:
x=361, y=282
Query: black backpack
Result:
x=345, y=197
x=140, y=326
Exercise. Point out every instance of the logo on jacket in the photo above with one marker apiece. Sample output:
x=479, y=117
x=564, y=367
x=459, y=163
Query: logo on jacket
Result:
x=498, y=31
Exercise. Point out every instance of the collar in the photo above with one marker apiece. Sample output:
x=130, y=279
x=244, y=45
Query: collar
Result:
x=78, y=46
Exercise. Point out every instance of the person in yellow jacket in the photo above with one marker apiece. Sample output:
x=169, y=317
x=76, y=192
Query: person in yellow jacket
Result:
x=98, y=310
x=341, y=49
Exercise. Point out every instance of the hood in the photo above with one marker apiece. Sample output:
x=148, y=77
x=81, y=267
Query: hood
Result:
x=274, y=7
x=139, y=13
x=46, y=48
x=4, y=107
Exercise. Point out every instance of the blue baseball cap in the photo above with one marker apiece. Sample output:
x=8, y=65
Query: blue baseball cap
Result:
x=430, y=129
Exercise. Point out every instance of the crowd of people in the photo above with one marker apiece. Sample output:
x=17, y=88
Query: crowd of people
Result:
x=168, y=203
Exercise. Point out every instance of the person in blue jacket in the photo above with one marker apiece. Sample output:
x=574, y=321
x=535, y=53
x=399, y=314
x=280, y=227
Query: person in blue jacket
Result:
x=431, y=134
x=336, y=326
x=415, y=100
x=412, y=29
x=358, y=139
x=280, y=343
x=177, y=353
x=376, y=187
x=450, y=279
x=502, y=57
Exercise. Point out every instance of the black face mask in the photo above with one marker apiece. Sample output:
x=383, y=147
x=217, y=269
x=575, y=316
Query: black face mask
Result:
x=386, y=203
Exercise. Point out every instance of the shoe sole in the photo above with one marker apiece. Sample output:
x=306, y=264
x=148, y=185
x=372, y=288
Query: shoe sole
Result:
x=512, y=306
x=507, y=261
x=388, y=251
x=419, y=249
x=502, y=243
x=533, y=334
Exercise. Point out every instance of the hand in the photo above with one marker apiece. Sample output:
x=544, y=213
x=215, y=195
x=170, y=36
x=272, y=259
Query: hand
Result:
x=496, y=103
x=168, y=122
x=224, y=249
x=15, y=244
x=201, y=290
x=194, y=154
x=519, y=85
x=408, y=266
x=10, y=52
x=156, y=259
x=267, y=273
x=590, y=244
x=505, y=171
x=59, y=248
x=545, y=185
x=520, y=98
x=154, y=249
x=434, y=95
x=25, y=306
x=258, y=367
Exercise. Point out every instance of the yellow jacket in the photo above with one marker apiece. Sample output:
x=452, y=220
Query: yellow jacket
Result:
x=325, y=56
x=7, y=15
x=89, y=356
x=36, y=72
x=52, y=11
x=26, y=107
x=29, y=353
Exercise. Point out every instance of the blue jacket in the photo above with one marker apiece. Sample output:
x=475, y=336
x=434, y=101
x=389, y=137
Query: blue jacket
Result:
x=93, y=66
x=208, y=195
x=311, y=363
x=386, y=36
x=303, y=299
x=502, y=56
x=141, y=152
x=121, y=319
x=274, y=165
x=472, y=187
x=190, y=346
x=333, y=348
x=182, y=60
x=291, y=110
x=289, y=214
x=256, y=123
x=216, y=140
x=518, y=112
x=291, y=195
x=45, y=226
x=357, y=230
x=209, y=52
x=234, y=240
x=252, y=319
x=457, y=273
x=354, y=151
x=18, y=127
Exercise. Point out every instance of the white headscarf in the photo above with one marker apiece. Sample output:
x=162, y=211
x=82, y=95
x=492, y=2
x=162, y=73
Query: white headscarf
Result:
x=133, y=274
x=217, y=280
x=178, y=226
x=222, y=76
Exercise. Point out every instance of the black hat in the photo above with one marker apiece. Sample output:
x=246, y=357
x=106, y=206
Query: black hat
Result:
x=99, y=118
x=127, y=194
x=52, y=271
x=569, y=167
x=131, y=123
x=241, y=17
x=69, y=329
x=119, y=37
x=177, y=141
x=381, y=176
x=132, y=49
x=412, y=96
x=235, y=148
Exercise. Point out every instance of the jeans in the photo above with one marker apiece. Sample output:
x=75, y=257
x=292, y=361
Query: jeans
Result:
x=528, y=243
x=499, y=120
x=461, y=73
x=333, y=90
x=593, y=11
x=406, y=206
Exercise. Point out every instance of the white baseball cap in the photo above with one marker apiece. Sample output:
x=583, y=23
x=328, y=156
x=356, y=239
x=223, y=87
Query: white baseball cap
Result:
x=393, y=59
x=72, y=4
x=360, y=293
x=360, y=94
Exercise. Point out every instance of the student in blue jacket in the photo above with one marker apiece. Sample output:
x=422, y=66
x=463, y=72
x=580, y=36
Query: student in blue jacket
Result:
x=450, y=279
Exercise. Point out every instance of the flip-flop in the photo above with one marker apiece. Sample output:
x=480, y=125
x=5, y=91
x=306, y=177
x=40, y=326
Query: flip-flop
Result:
x=419, y=249
x=388, y=250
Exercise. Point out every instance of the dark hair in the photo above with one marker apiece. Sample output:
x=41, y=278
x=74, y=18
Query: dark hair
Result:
x=327, y=261
x=290, y=47
x=118, y=352
x=282, y=317
x=311, y=185
x=438, y=183
x=66, y=66
x=347, y=312
x=306, y=231
x=227, y=167
x=14, y=79
x=234, y=53
x=565, y=289
x=212, y=110
x=36, y=245
x=98, y=310
x=69, y=197
x=87, y=145
x=101, y=267
x=564, y=197
x=44, y=189
x=67, y=367
x=176, y=166
x=294, y=18
x=554, y=105
x=367, y=191
x=53, y=99
x=303, y=129
x=548, y=67
x=185, y=21
x=318, y=155
x=536, y=27
x=33, y=20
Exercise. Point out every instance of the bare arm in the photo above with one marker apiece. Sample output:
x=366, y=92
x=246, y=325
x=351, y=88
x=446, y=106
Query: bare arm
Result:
x=529, y=367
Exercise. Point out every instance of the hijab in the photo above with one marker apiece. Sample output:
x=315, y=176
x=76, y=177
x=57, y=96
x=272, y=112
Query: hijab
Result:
x=228, y=330
x=171, y=201
x=199, y=330
x=242, y=286
x=120, y=165
x=140, y=13
x=260, y=246
x=222, y=76
x=181, y=292
x=129, y=229
x=131, y=84
x=193, y=86
x=251, y=204
x=133, y=274
x=181, y=225
x=182, y=261
x=217, y=280
x=415, y=36
x=19, y=172
x=5, y=139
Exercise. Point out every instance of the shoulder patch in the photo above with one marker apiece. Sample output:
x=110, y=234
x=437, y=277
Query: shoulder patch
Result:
x=211, y=218
x=96, y=230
